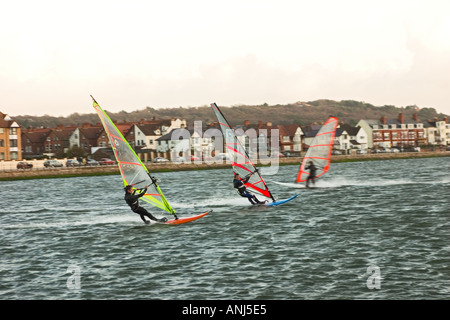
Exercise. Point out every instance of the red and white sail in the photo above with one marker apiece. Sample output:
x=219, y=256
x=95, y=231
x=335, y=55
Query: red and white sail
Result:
x=319, y=151
x=241, y=162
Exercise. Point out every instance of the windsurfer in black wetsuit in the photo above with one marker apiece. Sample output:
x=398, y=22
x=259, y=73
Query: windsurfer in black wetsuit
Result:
x=239, y=184
x=312, y=174
x=133, y=201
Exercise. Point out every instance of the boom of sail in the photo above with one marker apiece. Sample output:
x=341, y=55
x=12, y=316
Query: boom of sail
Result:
x=319, y=152
x=241, y=162
x=133, y=171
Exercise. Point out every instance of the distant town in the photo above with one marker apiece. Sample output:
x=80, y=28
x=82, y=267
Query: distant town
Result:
x=153, y=138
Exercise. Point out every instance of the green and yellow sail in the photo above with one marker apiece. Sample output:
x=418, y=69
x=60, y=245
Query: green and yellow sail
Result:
x=133, y=171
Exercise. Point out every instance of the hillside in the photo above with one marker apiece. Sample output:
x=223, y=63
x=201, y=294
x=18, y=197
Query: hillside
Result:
x=302, y=113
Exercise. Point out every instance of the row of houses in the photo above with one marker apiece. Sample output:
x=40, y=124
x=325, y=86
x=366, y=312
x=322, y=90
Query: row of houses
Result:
x=152, y=138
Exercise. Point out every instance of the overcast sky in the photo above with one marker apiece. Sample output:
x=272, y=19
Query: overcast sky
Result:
x=132, y=54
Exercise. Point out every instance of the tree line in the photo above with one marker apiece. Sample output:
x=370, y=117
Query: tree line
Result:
x=302, y=113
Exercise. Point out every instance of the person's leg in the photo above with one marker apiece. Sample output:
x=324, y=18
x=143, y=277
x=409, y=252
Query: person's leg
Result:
x=250, y=197
x=255, y=199
x=142, y=212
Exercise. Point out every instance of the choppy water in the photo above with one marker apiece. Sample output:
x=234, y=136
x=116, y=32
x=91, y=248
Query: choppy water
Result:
x=391, y=216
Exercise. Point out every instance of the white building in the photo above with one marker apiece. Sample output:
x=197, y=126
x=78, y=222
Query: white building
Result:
x=438, y=132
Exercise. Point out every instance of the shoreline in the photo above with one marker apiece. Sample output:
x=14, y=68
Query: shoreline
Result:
x=51, y=173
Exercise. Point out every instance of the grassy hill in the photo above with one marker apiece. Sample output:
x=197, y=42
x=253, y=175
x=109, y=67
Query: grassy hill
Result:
x=302, y=113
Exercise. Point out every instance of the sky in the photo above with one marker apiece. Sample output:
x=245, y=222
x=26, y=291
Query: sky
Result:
x=133, y=54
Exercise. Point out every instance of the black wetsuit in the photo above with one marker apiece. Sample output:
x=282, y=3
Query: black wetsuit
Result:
x=133, y=201
x=239, y=184
x=312, y=174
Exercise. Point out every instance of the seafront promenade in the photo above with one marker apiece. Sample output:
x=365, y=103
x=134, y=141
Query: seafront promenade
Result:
x=8, y=170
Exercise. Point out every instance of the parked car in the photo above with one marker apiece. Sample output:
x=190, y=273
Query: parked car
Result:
x=106, y=161
x=194, y=158
x=92, y=162
x=72, y=163
x=207, y=158
x=223, y=156
x=277, y=155
x=361, y=151
x=395, y=150
x=24, y=165
x=179, y=159
x=160, y=159
x=336, y=152
x=52, y=163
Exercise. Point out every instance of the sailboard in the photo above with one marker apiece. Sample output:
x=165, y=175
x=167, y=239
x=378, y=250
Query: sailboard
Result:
x=319, y=152
x=186, y=219
x=278, y=202
x=241, y=162
x=133, y=171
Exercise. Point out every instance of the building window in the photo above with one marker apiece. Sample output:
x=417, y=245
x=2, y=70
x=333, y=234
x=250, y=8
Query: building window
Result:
x=12, y=131
x=13, y=143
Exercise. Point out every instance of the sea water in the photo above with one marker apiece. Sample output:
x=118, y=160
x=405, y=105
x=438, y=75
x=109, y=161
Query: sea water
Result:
x=370, y=230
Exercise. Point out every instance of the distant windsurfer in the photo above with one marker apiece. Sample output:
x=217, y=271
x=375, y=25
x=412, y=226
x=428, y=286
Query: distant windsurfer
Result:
x=239, y=184
x=132, y=198
x=312, y=174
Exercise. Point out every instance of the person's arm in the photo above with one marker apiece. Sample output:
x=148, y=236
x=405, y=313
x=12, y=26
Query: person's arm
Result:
x=136, y=196
x=143, y=191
